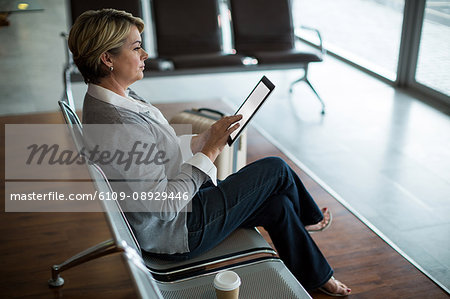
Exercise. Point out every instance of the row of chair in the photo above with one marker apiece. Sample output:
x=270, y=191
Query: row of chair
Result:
x=245, y=251
x=188, y=36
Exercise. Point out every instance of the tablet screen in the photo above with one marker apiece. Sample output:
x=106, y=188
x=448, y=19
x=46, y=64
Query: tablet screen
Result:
x=253, y=102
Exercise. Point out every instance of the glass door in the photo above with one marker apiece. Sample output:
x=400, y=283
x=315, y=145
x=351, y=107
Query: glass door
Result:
x=433, y=65
x=405, y=42
x=364, y=32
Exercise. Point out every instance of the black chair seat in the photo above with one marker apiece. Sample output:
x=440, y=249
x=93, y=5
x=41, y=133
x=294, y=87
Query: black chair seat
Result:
x=290, y=56
x=209, y=60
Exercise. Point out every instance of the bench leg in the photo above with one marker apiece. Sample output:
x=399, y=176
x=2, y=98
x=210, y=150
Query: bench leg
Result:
x=305, y=78
x=91, y=253
x=320, y=99
x=302, y=78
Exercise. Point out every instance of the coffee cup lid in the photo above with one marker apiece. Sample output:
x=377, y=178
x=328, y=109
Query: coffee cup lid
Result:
x=227, y=281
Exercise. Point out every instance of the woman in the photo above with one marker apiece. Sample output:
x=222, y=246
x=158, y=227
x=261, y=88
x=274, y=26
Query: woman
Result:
x=106, y=47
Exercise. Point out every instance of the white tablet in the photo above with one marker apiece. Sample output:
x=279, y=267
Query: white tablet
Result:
x=252, y=104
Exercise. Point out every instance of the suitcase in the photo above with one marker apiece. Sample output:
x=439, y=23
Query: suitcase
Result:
x=232, y=158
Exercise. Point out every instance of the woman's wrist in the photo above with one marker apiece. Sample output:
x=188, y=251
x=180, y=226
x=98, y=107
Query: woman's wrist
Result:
x=196, y=144
x=211, y=154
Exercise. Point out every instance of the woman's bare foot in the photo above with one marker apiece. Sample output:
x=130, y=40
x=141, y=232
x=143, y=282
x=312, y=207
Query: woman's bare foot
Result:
x=322, y=225
x=334, y=287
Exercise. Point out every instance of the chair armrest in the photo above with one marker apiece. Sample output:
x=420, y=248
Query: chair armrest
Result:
x=65, y=36
x=322, y=50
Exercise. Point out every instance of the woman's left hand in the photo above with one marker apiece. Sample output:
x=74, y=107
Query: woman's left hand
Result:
x=215, y=138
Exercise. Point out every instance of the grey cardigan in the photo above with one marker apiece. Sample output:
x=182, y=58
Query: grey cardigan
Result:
x=160, y=226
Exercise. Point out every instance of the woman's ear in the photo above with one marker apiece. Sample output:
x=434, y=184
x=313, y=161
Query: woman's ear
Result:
x=107, y=59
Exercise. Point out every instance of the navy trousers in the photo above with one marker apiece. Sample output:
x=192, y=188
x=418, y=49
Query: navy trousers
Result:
x=265, y=193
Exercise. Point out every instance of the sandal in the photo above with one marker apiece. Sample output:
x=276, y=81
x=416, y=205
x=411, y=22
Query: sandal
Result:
x=312, y=230
x=323, y=290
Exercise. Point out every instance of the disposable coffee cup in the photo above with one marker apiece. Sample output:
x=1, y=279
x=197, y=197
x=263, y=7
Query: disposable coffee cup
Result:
x=227, y=285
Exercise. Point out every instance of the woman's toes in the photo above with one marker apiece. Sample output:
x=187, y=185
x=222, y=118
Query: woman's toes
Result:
x=334, y=286
x=322, y=224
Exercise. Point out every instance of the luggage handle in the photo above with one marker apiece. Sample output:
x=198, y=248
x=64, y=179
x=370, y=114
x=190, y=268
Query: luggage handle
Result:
x=210, y=110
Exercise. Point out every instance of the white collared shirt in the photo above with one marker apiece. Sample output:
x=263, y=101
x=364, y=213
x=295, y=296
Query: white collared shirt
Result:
x=199, y=160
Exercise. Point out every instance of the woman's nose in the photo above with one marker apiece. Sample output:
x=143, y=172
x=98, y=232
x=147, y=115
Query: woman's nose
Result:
x=144, y=54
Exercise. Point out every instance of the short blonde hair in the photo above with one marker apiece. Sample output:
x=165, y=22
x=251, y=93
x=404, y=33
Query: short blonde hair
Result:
x=97, y=32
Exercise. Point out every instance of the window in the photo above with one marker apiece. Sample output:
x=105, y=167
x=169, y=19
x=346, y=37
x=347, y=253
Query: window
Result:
x=433, y=66
x=366, y=32
x=372, y=33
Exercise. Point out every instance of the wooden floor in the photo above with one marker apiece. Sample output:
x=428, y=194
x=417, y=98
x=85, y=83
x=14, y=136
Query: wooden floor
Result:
x=32, y=242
